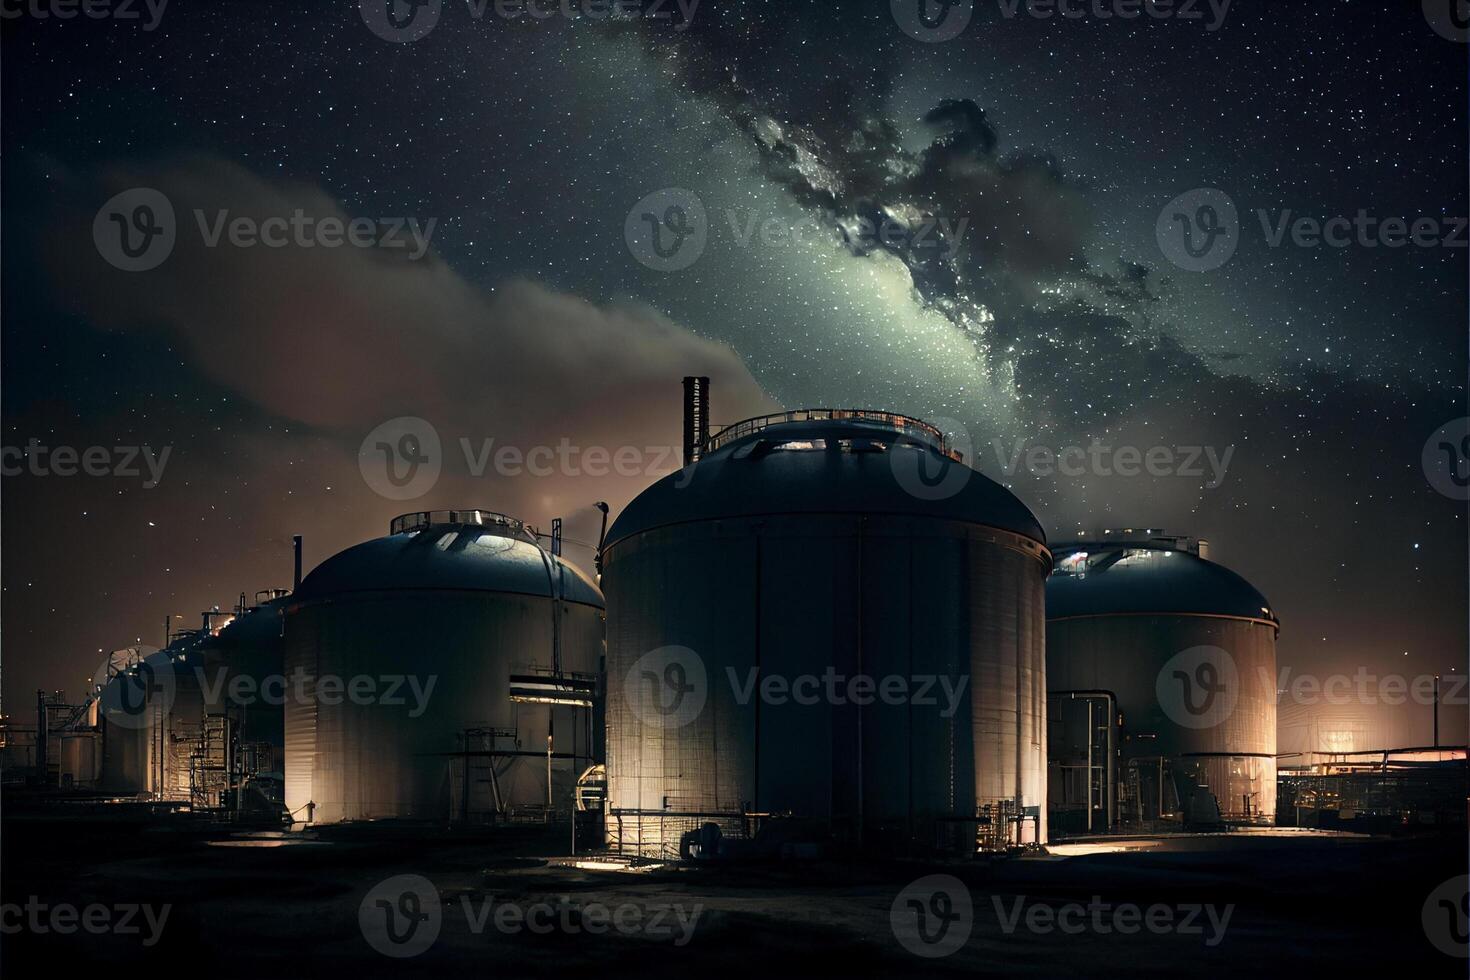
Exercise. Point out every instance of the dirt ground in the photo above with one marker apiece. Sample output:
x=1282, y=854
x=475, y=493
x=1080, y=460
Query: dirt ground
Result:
x=1283, y=904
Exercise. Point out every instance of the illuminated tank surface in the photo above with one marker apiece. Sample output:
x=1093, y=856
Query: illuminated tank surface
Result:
x=1188, y=650
x=433, y=621
x=803, y=545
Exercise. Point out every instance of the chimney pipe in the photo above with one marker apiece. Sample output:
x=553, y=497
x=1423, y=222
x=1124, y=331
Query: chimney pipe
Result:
x=696, y=417
x=1436, y=711
x=296, y=546
x=601, y=537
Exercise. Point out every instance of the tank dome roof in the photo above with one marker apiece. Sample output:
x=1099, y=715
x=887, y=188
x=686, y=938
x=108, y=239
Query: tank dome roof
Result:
x=452, y=551
x=1131, y=578
x=821, y=461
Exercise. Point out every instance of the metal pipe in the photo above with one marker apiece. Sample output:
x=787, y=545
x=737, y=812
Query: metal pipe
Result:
x=1110, y=772
x=601, y=537
x=1091, y=733
x=1436, y=711
x=696, y=417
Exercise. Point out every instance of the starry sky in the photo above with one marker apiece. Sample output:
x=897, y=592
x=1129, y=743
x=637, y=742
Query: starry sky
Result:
x=1056, y=319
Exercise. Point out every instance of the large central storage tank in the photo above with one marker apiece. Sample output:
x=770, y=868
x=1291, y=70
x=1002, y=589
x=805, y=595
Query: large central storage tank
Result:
x=433, y=624
x=808, y=545
x=1184, y=650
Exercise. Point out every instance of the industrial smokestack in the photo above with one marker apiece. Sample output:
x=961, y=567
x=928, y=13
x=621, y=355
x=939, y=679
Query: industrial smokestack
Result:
x=696, y=417
x=296, y=577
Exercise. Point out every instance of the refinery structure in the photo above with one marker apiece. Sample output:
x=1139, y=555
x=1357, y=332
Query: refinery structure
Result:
x=986, y=691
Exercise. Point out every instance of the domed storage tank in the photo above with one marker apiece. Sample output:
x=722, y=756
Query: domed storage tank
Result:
x=244, y=666
x=406, y=650
x=1186, y=649
x=134, y=692
x=155, y=709
x=809, y=545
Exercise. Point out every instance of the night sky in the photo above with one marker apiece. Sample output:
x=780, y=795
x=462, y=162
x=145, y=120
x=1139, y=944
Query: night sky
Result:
x=1056, y=319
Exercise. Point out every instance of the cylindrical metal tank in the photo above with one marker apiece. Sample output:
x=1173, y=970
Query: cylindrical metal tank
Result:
x=827, y=626
x=154, y=707
x=403, y=654
x=135, y=693
x=241, y=671
x=1187, y=650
